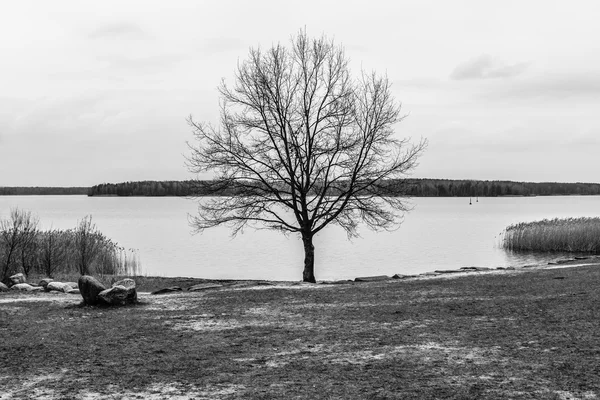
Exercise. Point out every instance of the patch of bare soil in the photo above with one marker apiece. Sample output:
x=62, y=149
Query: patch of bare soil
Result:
x=481, y=336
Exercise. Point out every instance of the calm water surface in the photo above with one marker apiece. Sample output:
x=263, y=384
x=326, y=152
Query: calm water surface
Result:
x=440, y=233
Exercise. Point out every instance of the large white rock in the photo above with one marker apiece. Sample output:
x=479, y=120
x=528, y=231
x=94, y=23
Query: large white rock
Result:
x=17, y=278
x=127, y=283
x=22, y=286
x=58, y=287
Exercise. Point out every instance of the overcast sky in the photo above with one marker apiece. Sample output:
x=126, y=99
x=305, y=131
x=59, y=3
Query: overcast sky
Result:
x=99, y=91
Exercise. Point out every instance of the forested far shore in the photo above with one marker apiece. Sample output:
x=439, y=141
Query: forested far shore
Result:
x=409, y=187
x=41, y=190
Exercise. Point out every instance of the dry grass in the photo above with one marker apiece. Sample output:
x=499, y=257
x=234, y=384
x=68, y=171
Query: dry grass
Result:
x=564, y=235
x=514, y=335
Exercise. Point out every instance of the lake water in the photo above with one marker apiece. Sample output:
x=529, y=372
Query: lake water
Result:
x=439, y=233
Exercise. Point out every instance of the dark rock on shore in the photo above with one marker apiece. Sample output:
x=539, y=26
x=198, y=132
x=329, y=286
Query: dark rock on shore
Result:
x=401, y=276
x=430, y=274
x=168, y=290
x=44, y=282
x=118, y=296
x=372, y=278
x=204, y=286
x=475, y=269
x=90, y=287
x=450, y=271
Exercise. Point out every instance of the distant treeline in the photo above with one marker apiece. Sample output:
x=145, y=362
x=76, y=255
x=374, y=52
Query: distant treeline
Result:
x=38, y=191
x=467, y=188
x=412, y=187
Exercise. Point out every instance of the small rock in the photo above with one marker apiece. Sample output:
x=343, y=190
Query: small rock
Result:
x=22, y=286
x=168, y=290
x=400, y=276
x=118, y=296
x=430, y=274
x=90, y=287
x=559, y=277
x=372, y=278
x=510, y=268
x=341, y=282
x=581, y=258
x=126, y=283
x=73, y=285
x=469, y=268
x=17, y=278
x=449, y=271
x=73, y=291
x=204, y=286
x=3, y=287
x=501, y=268
x=44, y=282
x=565, y=261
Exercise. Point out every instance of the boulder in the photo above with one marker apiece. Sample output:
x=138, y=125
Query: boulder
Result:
x=118, y=296
x=372, y=278
x=168, y=290
x=73, y=285
x=44, y=282
x=127, y=283
x=17, y=278
x=204, y=286
x=90, y=287
x=22, y=286
x=401, y=276
x=73, y=291
x=476, y=268
x=58, y=287
x=3, y=287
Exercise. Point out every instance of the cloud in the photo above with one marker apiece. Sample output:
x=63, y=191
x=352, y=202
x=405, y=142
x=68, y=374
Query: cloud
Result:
x=486, y=67
x=217, y=45
x=118, y=30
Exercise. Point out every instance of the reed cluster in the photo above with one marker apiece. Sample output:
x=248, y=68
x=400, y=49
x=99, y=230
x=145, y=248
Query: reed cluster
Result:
x=565, y=235
x=82, y=250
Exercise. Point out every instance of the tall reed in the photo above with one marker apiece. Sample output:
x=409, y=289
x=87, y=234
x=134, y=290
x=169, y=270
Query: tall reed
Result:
x=83, y=250
x=566, y=234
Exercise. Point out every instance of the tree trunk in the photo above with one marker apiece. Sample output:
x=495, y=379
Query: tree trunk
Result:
x=309, y=259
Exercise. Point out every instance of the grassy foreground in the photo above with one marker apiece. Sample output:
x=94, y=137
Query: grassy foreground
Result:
x=528, y=334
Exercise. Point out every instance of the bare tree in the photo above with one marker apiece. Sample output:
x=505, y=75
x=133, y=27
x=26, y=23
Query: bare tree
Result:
x=303, y=144
x=15, y=232
x=28, y=251
x=88, y=243
x=54, y=250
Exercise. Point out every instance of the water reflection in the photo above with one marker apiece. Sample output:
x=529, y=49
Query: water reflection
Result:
x=523, y=258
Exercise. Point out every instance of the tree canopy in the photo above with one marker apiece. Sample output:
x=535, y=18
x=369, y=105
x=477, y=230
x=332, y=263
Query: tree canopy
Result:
x=305, y=144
